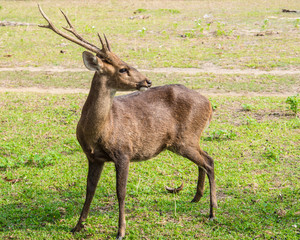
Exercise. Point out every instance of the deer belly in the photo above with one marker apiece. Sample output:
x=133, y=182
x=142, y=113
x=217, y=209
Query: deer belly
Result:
x=149, y=149
x=147, y=154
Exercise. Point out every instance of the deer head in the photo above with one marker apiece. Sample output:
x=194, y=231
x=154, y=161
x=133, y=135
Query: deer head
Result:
x=118, y=75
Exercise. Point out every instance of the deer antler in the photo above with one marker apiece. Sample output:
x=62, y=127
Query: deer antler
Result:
x=80, y=40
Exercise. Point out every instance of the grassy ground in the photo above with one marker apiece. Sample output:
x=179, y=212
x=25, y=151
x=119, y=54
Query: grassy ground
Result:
x=176, y=33
x=254, y=140
x=43, y=174
x=222, y=83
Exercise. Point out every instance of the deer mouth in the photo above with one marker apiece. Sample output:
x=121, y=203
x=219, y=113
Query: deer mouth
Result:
x=143, y=87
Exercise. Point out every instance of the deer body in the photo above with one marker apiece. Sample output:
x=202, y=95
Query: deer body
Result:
x=143, y=124
x=137, y=126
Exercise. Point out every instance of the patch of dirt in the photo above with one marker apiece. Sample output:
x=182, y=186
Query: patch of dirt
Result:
x=216, y=70
x=45, y=90
x=208, y=68
x=42, y=69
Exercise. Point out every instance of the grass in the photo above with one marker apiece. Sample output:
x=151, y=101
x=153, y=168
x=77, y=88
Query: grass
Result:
x=43, y=175
x=208, y=81
x=227, y=40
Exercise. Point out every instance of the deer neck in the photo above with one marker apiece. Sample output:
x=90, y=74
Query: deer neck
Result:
x=96, y=112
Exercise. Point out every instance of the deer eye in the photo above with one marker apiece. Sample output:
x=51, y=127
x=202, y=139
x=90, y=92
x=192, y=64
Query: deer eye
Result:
x=123, y=70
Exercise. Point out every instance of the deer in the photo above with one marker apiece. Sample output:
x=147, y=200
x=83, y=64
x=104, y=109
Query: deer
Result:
x=137, y=126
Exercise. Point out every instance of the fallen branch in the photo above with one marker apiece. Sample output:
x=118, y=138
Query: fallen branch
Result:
x=289, y=11
x=8, y=23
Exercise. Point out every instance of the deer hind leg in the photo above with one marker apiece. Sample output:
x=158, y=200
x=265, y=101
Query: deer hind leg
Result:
x=212, y=183
x=200, y=185
x=94, y=173
x=206, y=163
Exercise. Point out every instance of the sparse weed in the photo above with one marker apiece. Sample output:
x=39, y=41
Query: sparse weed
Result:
x=220, y=135
x=293, y=101
x=251, y=121
x=271, y=153
x=140, y=10
x=265, y=24
x=213, y=103
x=173, y=11
x=247, y=107
x=199, y=26
x=190, y=34
x=89, y=29
x=297, y=23
x=142, y=31
x=221, y=31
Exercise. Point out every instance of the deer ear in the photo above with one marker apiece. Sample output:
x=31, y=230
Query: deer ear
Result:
x=91, y=62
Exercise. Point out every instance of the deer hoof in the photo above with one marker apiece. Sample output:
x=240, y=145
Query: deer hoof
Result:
x=119, y=238
x=77, y=228
x=196, y=198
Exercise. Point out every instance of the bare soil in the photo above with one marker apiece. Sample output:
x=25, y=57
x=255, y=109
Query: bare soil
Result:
x=209, y=68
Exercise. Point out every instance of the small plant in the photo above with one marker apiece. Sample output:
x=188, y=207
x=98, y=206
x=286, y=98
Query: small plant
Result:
x=271, y=153
x=140, y=10
x=293, y=101
x=296, y=22
x=220, y=135
x=190, y=34
x=265, y=24
x=221, y=30
x=199, y=26
x=173, y=11
x=89, y=29
x=214, y=105
x=247, y=107
x=251, y=121
x=142, y=31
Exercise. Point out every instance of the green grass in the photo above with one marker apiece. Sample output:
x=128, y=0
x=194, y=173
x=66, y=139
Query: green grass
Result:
x=257, y=175
x=226, y=38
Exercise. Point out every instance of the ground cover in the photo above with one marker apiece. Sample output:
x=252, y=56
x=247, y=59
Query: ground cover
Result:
x=246, y=34
x=43, y=173
x=208, y=82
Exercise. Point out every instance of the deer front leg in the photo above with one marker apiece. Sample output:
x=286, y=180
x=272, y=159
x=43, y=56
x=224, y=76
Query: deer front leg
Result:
x=94, y=173
x=122, y=168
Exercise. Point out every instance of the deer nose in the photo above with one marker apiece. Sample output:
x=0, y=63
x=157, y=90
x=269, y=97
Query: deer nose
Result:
x=148, y=82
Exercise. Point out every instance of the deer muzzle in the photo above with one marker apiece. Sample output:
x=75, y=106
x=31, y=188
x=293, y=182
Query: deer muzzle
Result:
x=144, y=85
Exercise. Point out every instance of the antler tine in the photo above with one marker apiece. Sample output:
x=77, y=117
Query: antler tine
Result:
x=47, y=19
x=107, y=43
x=103, y=47
x=72, y=29
x=80, y=41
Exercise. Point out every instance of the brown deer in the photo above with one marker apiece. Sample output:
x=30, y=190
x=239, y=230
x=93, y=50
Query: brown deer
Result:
x=137, y=126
